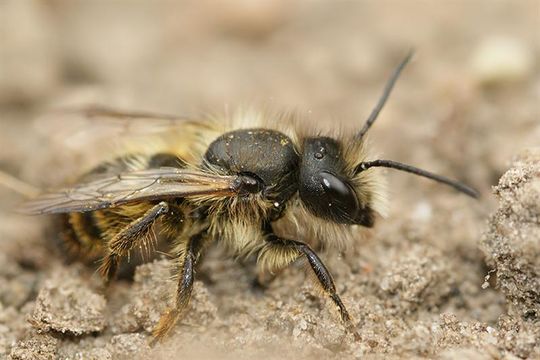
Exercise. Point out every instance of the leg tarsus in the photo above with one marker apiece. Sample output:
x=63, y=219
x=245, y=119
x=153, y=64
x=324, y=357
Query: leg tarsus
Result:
x=325, y=279
x=109, y=267
x=165, y=325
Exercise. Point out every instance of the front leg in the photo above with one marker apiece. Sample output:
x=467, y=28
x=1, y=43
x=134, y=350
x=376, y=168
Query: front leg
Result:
x=279, y=253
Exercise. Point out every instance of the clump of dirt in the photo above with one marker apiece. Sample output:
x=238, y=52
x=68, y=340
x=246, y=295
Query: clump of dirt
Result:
x=66, y=304
x=39, y=347
x=419, y=277
x=511, y=244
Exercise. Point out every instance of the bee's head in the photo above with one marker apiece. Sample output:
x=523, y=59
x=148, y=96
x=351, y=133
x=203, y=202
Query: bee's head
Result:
x=327, y=188
x=334, y=182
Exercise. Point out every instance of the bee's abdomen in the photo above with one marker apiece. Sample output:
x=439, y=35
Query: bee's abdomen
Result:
x=83, y=238
x=85, y=234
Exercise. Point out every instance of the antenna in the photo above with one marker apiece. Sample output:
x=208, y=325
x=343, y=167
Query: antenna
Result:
x=386, y=93
x=414, y=170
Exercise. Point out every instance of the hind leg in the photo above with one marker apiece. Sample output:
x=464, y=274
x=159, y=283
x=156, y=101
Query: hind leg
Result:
x=129, y=237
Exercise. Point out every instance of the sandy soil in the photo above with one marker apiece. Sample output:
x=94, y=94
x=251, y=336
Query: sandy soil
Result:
x=442, y=276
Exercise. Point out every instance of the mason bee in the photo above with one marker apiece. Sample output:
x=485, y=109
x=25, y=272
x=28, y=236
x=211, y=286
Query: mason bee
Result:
x=254, y=182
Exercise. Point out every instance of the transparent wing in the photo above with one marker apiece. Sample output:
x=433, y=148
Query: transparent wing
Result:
x=110, y=191
x=82, y=126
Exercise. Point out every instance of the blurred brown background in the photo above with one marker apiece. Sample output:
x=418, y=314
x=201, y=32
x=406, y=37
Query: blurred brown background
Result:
x=464, y=107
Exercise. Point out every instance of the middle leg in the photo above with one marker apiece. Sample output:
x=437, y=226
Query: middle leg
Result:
x=187, y=257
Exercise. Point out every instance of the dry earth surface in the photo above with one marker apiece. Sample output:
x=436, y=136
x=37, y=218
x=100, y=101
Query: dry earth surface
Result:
x=443, y=276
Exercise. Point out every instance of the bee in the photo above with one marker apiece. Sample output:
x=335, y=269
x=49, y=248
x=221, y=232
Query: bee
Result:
x=256, y=183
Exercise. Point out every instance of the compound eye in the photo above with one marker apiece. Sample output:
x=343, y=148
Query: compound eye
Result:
x=340, y=194
x=334, y=186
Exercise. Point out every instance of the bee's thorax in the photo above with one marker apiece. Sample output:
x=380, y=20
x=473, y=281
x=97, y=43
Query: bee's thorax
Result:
x=265, y=157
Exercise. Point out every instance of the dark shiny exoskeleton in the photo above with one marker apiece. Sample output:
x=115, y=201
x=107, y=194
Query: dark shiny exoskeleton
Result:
x=323, y=187
x=270, y=159
x=267, y=156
